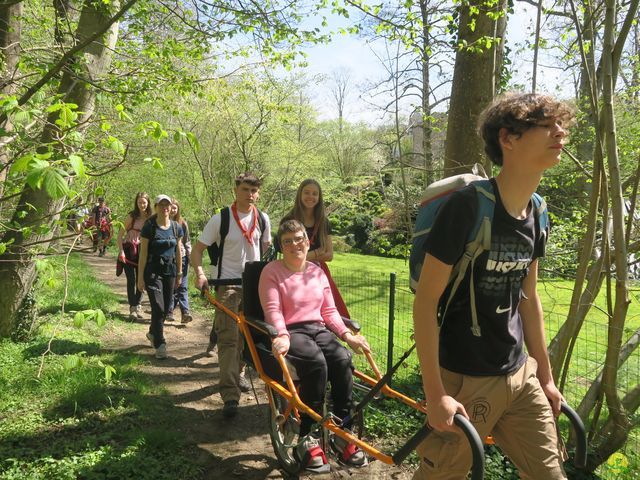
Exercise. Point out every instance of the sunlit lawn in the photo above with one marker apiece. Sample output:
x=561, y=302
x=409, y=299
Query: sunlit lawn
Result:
x=365, y=284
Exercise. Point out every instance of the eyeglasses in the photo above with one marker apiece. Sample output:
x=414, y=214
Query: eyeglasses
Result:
x=287, y=242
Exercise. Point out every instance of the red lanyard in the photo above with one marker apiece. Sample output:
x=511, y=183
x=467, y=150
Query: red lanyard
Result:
x=246, y=234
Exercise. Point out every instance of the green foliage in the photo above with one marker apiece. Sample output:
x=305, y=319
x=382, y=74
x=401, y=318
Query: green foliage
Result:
x=90, y=413
x=80, y=281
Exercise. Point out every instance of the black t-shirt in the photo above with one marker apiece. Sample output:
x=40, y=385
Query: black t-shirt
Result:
x=497, y=277
x=163, y=244
x=315, y=242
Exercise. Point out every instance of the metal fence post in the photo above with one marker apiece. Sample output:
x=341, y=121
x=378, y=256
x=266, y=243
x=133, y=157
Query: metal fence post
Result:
x=392, y=317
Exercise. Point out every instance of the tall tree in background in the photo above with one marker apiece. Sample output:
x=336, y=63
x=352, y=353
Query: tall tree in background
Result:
x=10, y=31
x=60, y=89
x=607, y=220
x=421, y=30
x=38, y=208
x=481, y=28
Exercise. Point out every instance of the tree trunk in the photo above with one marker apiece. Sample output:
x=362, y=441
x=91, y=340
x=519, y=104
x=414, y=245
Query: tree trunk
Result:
x=36, y=213
x=617, y=413
x=427, y=129
x=473, y=85
x=10, y=33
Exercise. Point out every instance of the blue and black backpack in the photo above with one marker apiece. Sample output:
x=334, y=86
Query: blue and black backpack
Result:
x=479, y=239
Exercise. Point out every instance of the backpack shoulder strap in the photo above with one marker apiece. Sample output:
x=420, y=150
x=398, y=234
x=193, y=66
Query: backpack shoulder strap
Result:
x=263, y=223
x=540, y=212
x=174, y=225
x=479, y=240
x=540, y=216
x=225, y=219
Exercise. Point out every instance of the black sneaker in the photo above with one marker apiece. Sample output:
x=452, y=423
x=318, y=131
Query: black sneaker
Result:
x=230, y=409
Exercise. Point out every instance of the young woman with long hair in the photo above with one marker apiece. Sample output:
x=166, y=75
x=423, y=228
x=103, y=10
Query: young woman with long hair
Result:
x=128, y=246
x=309, y=210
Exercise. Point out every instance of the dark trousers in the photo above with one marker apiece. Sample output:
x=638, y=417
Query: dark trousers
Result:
x=160, y=291
x=181, y=294
x=318, y=356
x=133, y=294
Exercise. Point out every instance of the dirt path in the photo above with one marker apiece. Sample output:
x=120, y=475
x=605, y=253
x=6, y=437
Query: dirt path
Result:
x=238, y=448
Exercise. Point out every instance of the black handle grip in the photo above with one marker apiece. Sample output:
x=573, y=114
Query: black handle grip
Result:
x=216, y=282
x=475, y=442
x=580, y=459
x=262, y=326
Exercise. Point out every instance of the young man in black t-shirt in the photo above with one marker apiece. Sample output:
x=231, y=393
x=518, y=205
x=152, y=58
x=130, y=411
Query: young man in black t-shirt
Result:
x=484, y=373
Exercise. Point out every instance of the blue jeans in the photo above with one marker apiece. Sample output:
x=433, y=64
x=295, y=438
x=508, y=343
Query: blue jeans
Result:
x=181, y=294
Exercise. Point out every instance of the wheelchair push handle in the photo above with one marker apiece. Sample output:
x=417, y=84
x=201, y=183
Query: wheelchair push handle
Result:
x=580, y=459
x=217, y=282
x=475, y=442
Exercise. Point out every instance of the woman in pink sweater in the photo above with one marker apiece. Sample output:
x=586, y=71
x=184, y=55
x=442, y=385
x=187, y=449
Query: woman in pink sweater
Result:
x=296, y=299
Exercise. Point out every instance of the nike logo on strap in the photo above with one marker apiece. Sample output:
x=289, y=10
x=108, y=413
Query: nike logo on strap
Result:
x=500, y=310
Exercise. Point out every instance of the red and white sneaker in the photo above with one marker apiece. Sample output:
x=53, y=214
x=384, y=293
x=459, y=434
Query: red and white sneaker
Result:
x=348, y=453
x=311, y=456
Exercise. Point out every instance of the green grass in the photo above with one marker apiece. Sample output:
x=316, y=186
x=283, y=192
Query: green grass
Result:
x=70, y=422
x=364, y=282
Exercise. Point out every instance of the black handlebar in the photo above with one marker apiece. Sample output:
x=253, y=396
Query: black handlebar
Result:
x=580, y=458
x=477, y=448
x=475, y=442
x=216, y=282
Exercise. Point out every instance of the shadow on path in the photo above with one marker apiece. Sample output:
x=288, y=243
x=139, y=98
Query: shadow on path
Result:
x=238, y=448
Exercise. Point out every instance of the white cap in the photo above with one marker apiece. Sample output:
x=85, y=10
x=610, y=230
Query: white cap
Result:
x=162, y=197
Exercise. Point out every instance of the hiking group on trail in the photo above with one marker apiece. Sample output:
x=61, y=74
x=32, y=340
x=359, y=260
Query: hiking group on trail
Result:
x=474, y=271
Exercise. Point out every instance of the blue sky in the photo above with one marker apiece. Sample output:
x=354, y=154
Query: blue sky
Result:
x=355, y=55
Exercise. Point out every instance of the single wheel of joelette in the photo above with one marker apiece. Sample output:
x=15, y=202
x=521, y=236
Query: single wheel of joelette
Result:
x=283, y=430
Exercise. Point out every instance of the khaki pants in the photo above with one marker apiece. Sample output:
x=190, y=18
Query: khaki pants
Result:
x=514, y=410
x=230, y=343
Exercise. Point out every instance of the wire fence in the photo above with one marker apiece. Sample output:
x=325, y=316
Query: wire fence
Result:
x=382, y=304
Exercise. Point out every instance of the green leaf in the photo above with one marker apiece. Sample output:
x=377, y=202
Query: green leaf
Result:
x=157, y=164
x=78, y=320
x=21, y=164
x=72, y=362
x=35, y=177
x=159, y=133
x=8, y=103
x=3, y=248
x=193, y=140
x=78, y=165
x=54, y=183
x=21, y=117
x=109, y=371
x=115, y=145
x=100, y=318
x=55, y=107
x=67, y=117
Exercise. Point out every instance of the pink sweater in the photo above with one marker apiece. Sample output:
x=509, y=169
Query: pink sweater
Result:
x=290, y=297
